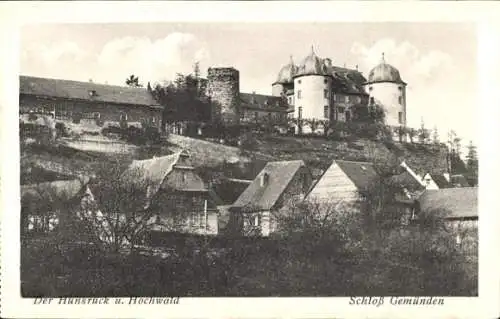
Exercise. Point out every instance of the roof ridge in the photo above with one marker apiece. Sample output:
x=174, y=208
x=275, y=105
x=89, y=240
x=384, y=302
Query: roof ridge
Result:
x=359, y=162
x=84, y=82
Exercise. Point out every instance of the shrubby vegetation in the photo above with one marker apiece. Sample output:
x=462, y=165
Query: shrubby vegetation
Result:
x=320, y=250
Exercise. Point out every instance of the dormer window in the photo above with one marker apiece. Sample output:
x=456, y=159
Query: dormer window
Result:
x=92, y=93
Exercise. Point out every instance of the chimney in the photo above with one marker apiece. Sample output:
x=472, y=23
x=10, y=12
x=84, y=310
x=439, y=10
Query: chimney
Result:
x=357, y=67
x=264, y=179
x=447, y=177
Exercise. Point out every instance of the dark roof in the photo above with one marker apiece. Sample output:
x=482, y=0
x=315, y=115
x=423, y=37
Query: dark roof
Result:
x=280, y=174
x=154, y=173
x=348, y=80
x=406, y=180
x=362, y=174
x=460, y=202
x=440, y=180
x=459, y=181
x=264, y=102
x=50, y=192
x=83, y=91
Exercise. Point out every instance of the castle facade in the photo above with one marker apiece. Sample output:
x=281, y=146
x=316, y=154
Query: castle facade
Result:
x=315, y=89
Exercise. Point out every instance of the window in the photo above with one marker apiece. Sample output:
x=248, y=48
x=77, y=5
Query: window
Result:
x=326, y=81
x=325, y=112
x=400, y=117
x=299, y=94
x=358, y=99
x=256, y=221
x=370, y=88
x=400, y=88
x=300, y=112
x=299, y=81
x=123, y=116
x=372, y=100
x=184, y=176
x=400, y=100
x=325, y=93
x=341, y=109
x=256, y=115
x=346, y=99
x=153, y=119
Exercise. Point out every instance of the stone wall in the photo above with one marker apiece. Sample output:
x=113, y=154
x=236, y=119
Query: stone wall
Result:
x=224, y=89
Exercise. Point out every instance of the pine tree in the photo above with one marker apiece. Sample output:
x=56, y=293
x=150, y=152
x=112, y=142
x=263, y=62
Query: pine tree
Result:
x=435, y=135
x=472, y=162
x=196, y=70
x=423, y=133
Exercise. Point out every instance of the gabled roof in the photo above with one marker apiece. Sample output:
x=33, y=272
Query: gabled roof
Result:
x=154, y=172
x=440, y=180
x=459, y=181
x=280, y=174
x=362, y=174
x=460, y=202
x=261, y=101
x=88, y=91
x=406, y=180
x=50, y=192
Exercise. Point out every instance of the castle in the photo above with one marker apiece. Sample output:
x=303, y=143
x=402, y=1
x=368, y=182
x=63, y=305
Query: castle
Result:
x=315, y=89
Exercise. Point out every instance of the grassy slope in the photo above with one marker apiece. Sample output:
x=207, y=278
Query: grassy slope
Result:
x=316, y=152
x=319, y=152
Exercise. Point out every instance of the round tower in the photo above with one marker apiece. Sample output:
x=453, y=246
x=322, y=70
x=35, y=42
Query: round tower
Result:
x=312, y=90
x=224, y=89
x=386, y=89
x=284, y=81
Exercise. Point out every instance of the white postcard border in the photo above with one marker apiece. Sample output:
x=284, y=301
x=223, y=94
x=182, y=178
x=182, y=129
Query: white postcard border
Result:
x=12, y=15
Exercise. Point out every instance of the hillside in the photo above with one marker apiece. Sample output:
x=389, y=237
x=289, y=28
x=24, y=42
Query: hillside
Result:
x=71, y=158
x=319, y=152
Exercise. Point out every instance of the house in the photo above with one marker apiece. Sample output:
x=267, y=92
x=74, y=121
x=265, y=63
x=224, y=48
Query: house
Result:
x=458, y=207
x=459, y=180
x=76, y=102
x=342, y=183
x=279, y=184
x=179, y=199
x=258, y=108
x=46, y=206
x=435, y=181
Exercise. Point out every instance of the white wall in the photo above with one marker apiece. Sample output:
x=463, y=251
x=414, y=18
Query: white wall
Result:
x=334, y=188
x=277, y=89
x=312, y=100
x=387, y=95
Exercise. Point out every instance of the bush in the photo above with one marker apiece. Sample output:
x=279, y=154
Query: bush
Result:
x=62, y=130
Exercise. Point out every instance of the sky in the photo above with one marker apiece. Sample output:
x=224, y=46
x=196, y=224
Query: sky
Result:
x=437, y=60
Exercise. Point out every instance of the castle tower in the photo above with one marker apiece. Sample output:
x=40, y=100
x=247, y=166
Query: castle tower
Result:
x=386, y=88
x=284, y=80
x=224, y=89
x=312, y=90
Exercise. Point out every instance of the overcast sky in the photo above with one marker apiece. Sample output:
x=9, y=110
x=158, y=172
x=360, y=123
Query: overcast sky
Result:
x=437, y=60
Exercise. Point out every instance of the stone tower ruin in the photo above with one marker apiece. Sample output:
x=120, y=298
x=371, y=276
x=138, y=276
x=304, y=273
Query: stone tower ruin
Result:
x=224, y=89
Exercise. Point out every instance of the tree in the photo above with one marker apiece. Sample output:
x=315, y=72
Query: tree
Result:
x=411, y=134
x=196, y=70
x=472, y=162
x=133, y=81
x=423, y=133
x=435, y=136
x=122, y=211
